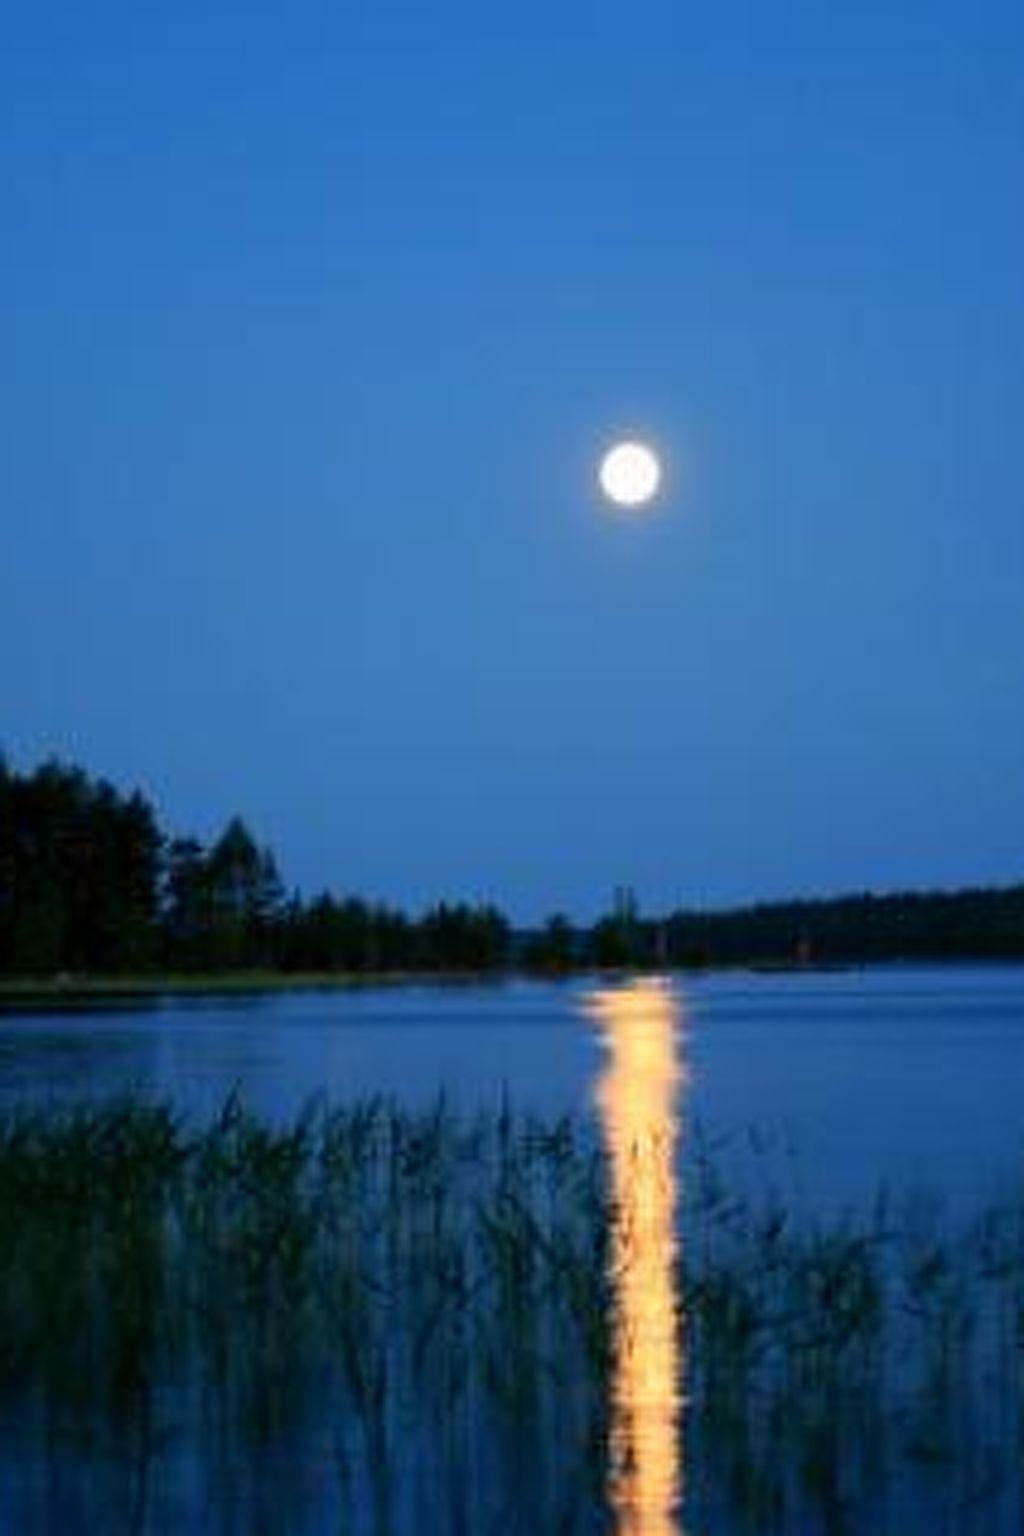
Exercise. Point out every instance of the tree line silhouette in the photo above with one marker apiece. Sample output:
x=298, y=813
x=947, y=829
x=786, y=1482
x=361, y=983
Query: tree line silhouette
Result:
x=90, y=883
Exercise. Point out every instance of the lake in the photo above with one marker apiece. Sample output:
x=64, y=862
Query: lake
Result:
x=838, y=1081
x=581, y=1257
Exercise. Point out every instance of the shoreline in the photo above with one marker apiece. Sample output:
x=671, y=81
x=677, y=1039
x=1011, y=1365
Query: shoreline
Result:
x=34, y=991
x=26, y=992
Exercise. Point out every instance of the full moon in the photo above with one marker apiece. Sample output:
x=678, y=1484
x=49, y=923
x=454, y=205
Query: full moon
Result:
x=630, y=474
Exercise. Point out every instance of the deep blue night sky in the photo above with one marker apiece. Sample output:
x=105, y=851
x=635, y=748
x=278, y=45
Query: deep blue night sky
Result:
x=313, y=319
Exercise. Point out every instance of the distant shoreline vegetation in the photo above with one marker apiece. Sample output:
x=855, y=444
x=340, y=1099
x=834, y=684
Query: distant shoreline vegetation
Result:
x=93, y=888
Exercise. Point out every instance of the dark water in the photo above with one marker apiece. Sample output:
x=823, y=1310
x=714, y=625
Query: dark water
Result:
x=436, y=1308
x=839, y=1080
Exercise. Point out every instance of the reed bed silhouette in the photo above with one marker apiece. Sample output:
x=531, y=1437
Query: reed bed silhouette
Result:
x=379, y=1320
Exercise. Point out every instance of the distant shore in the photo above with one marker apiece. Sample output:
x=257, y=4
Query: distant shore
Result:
x=83, y=989
x=99, y=901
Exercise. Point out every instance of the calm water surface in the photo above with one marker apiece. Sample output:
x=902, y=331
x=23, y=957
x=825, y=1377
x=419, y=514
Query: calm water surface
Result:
x=828, y=1082
x=819, y=1086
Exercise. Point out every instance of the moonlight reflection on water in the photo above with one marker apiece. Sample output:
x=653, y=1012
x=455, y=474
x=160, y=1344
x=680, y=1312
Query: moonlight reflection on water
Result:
x=636, y=1098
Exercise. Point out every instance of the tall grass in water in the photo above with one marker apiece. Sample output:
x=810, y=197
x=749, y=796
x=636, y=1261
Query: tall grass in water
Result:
x=373, y=1320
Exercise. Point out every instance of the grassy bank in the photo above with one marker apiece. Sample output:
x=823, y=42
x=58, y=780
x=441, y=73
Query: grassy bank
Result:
x=71, y=990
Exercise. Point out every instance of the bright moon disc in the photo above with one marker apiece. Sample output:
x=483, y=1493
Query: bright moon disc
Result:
x=630, y=474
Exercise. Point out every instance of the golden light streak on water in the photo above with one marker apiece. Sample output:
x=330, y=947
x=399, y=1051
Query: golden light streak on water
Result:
x=637, y=1102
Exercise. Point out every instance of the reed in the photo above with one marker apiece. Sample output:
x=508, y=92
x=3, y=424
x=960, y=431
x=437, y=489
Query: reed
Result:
x=375, y=1319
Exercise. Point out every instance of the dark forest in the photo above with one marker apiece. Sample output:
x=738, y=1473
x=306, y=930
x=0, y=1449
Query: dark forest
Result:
x=92, y=884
